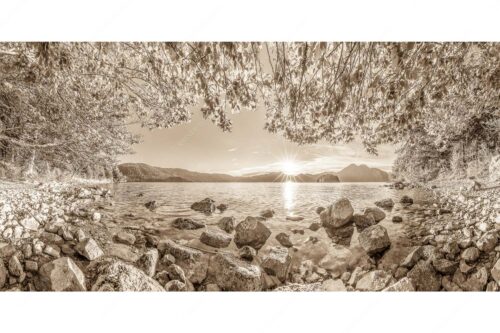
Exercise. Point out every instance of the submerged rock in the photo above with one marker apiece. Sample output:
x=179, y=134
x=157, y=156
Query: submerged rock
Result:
x=227, y=224
x=206, y=205
x=215, y=238
x=374, y=240
x=267, y=213
x=60, y=275
x=397, y=219
x=222, y=207
x=251, y=232
x=151, y=205
x=385, y=203
x=183, y=223
x=406, y=200
x=233, y=274
x=338, y=214
x=115, y=275
x=277, y=262
x=284, y=239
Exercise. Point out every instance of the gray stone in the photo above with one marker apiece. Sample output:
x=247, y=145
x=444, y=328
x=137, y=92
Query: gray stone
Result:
x=319, y=210
x=424, y=277
x=495, y=272
x=406, y=200
x=251, y=232
x=445, y=266
x=385, y=203
x=183, y=223
x=227, y=224
x=3, y=274
x=374, y=281
x=277, y=262
x=284, y=239
x=233, y=274
x=123, y=252
x=152, y=205
x=267, y=213
x=341, y=235
x=125, y=238
x=470, y=255
x=487, y=242
x=374, y=239
x=215, y=238
x=52, y=251
x=315, y=226
x=193, y=262
x=148, y=261
x=362, y=221
x=31, y=266
x=175, y=272
x=206, y=205
x=15, y=267
x=115, y=275
x=338, y=214
x=333, y=285
x=247, y=253
x=60, y=275
x=397, y=219
x=7, y=250
x=377, y=213
x=89, y=249
x=405, y=284
x=175, y=285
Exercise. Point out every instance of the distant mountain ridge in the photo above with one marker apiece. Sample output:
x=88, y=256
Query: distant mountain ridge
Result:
x=141, y=172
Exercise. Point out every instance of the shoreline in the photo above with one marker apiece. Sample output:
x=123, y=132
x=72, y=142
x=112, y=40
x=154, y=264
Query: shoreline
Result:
x=62, y=230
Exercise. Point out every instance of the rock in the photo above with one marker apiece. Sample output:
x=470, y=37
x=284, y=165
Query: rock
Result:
x=451, y=247
x=338, y=214
x=89, y=249
x=80, y=235
x=125, y=238
x=96, y=217
x=175, y=272
x=3, y=274
x=227, y=224
x=341, y=235
x=215, y=238
x=374, y=281
x=374, y=240
x=294, y=218
x=492, y=286
x=162, y=277
x=7, y=250
x=284, y=239
x=464, y=268
x=212, y=287
x=301, y=287
x=233, y=274
x=115, y=275
x=277, y=262
x=222, y=207
x=362, y=221
x=424, y=277
x=148, y=261
x=470, y=255
x=406, y=200
x=123, y=252
x=60, y=275
x=193, y=262
x=247, y=253
x=319, y=210
x=151, y=205
x=445, y=266
x=487, y=242
x=183, y=223
x=52, y=251
x=267, y=213
x=167, y=260
x=385, y=203
x=405, y=284
x=476, y=281
x=495, y=272
x=251, y=232
x=15, y=267
x=206, y=206
x=51, y=238
x=333, y=285
x=377, y=213
x=400, y=272
x=175, y=285
x=314, y=226
x=356, y=275
x=397, y=219
x=30, y=223
x=449, y=285
x=31, y=266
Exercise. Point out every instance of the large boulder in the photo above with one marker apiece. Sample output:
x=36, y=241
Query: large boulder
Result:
x=115, y=275
x=377, y=213
x=183, y=223
x=251, y=232
x=60, y=275
x=215, y=238
x=374, y=239
x=424, y=277
x=375, y=281
x=277, y=262
x=206, y=206
x=338, y=214
x=227, y=224
x=233, y=274
x=192, y=261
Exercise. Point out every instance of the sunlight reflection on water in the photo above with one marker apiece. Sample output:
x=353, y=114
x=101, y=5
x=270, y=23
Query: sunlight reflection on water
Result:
x=289, y=190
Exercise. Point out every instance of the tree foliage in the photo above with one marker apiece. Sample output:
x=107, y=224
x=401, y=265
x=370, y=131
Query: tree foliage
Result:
x=70, y=102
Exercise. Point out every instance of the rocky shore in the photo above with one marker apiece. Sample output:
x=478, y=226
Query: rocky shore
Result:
x=53, y=238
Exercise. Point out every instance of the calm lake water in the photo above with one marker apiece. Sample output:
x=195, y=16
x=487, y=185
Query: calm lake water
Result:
x=248, y=199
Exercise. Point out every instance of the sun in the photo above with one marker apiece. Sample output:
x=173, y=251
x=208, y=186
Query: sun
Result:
x=289, y=167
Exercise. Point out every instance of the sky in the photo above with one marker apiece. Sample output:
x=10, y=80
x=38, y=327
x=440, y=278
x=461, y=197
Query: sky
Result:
x=248, y=148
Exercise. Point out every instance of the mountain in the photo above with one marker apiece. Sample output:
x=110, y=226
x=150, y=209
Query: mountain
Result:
x=362, y=173
x=141, y=172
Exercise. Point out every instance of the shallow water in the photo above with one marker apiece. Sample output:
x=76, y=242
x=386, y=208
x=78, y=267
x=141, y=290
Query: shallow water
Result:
x=248, y=199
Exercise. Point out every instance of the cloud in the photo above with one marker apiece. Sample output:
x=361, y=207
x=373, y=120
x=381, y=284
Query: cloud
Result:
x=232, y=149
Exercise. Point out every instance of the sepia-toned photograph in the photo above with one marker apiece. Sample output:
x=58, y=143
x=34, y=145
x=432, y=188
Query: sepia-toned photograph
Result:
x=249, y=166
